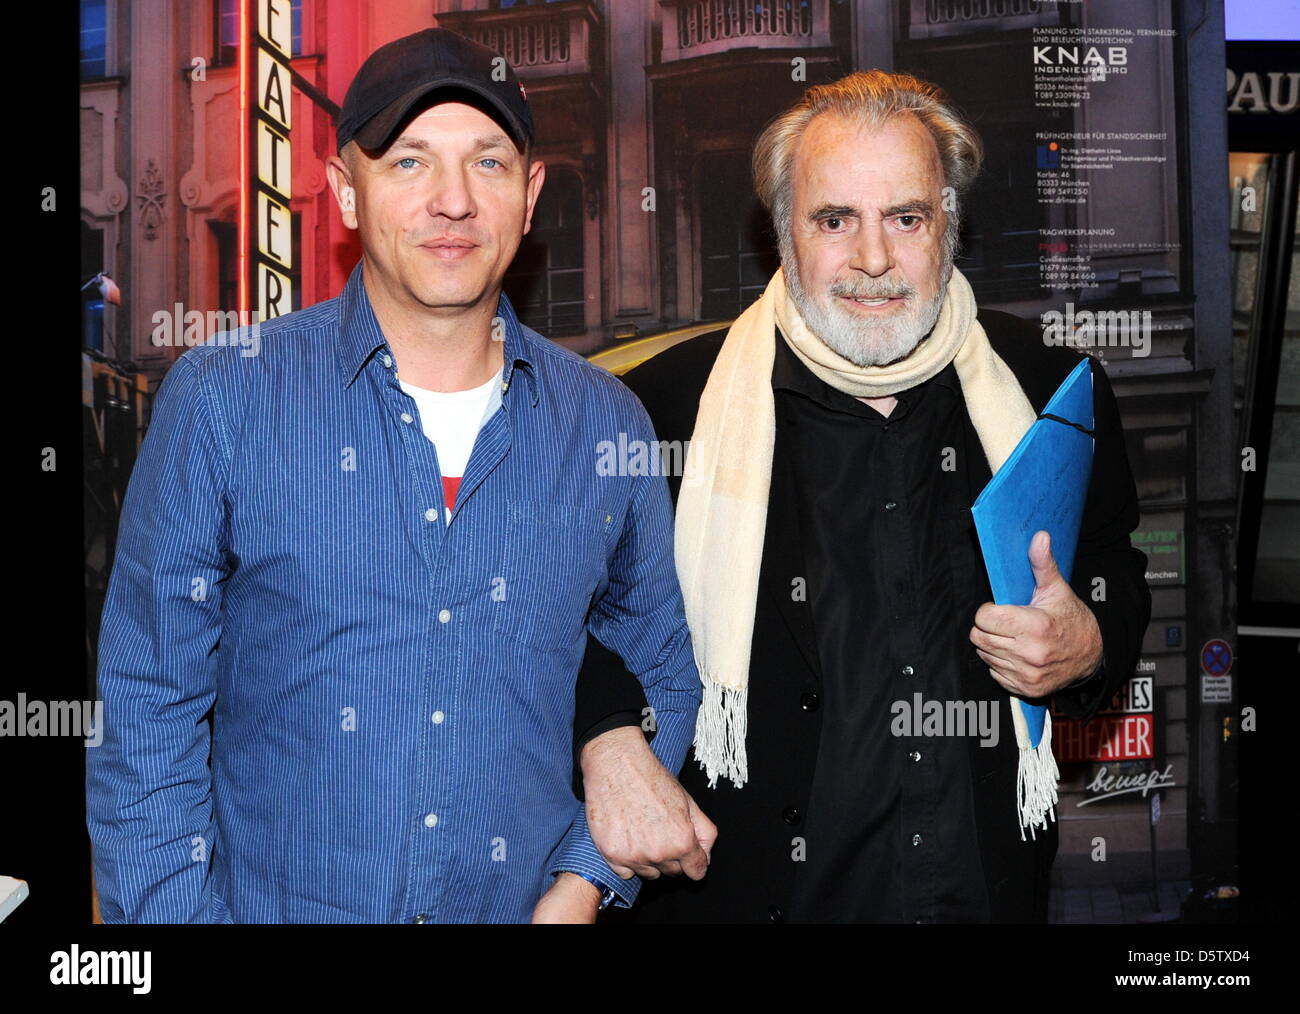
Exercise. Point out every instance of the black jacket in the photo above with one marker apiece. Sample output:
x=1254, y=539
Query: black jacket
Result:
x=751, y=875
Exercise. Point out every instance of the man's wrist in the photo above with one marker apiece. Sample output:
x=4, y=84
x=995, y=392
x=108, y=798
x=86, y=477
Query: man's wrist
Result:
x=621, y=738
x=586, y=888
x=1099, y=647
x=1097, y=672
x=578, y=853
x=628, y=719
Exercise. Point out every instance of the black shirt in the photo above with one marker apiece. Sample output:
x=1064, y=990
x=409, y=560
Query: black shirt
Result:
x=890, y=831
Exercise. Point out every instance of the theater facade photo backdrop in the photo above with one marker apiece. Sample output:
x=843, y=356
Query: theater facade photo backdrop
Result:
x=1100, y=213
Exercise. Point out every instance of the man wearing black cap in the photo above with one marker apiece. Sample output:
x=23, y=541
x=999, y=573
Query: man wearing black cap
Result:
x=385, y=541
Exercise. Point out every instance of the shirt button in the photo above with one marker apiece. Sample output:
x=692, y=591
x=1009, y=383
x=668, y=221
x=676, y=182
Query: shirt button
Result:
x=437, y=717
x=406, y=417
x=908, y=670
x=431, y=820
x=915, y=755
x=418, y=919
x=790, y=815
x=809, y=702
x=388, y=364
x=431, y=515
x=775, y=914
x=444, y=615
x=916, y=839
x=890, y=505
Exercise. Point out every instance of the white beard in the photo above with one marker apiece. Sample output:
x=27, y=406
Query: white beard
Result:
x=867, y=341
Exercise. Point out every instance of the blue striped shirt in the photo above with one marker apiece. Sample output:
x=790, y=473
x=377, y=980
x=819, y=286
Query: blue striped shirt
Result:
x=392, y=696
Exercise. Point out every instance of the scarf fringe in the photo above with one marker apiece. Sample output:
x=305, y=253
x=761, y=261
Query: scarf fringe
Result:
x=720, y=732
x=1036, y=778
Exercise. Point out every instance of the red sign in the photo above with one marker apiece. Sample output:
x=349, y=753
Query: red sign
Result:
x=1107, y=738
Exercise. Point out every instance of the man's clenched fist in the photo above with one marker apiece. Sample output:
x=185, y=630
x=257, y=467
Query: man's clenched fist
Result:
x=640, y=818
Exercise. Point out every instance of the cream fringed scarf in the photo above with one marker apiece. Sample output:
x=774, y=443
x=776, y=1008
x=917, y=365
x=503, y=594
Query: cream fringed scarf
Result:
x=722, y=506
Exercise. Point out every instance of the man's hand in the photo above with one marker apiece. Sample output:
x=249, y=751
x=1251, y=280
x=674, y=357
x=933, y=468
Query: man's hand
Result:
x=1037, y=649
x=569, y=900
x=640, y=818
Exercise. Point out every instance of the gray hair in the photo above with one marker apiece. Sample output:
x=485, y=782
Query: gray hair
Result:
x=870, y=98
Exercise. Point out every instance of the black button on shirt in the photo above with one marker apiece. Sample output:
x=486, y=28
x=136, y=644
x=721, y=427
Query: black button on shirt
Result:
x=888, y=838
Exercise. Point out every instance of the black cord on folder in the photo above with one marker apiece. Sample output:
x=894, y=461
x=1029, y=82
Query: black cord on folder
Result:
x=1057, y=418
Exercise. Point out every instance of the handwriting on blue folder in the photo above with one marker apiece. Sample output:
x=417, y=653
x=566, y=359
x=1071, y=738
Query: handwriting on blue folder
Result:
x=1040, y=487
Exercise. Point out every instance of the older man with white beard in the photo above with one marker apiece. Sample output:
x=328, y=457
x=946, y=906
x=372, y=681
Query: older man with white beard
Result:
x=840, y=431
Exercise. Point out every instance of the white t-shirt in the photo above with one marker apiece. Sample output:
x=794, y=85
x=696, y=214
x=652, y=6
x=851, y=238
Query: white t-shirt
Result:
x=452, y=419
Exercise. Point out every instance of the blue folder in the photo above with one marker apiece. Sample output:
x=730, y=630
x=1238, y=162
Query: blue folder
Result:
x=1040, y=487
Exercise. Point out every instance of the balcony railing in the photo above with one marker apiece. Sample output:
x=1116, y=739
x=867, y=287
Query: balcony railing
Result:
x=938, y=12
x=927, y=18
x=699, y=27
x=530, y=44
x=537, y=41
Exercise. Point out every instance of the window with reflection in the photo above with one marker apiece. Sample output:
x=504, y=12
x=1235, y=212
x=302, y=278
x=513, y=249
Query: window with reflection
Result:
x=546, y=283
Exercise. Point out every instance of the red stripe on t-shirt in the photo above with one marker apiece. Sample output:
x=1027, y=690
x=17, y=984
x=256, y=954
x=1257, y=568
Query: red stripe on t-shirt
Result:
x=450, y=487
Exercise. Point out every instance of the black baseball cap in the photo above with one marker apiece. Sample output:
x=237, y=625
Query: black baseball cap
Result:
x=398, y=75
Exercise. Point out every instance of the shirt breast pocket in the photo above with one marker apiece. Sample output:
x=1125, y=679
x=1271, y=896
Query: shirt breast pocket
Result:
x=554, y=557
